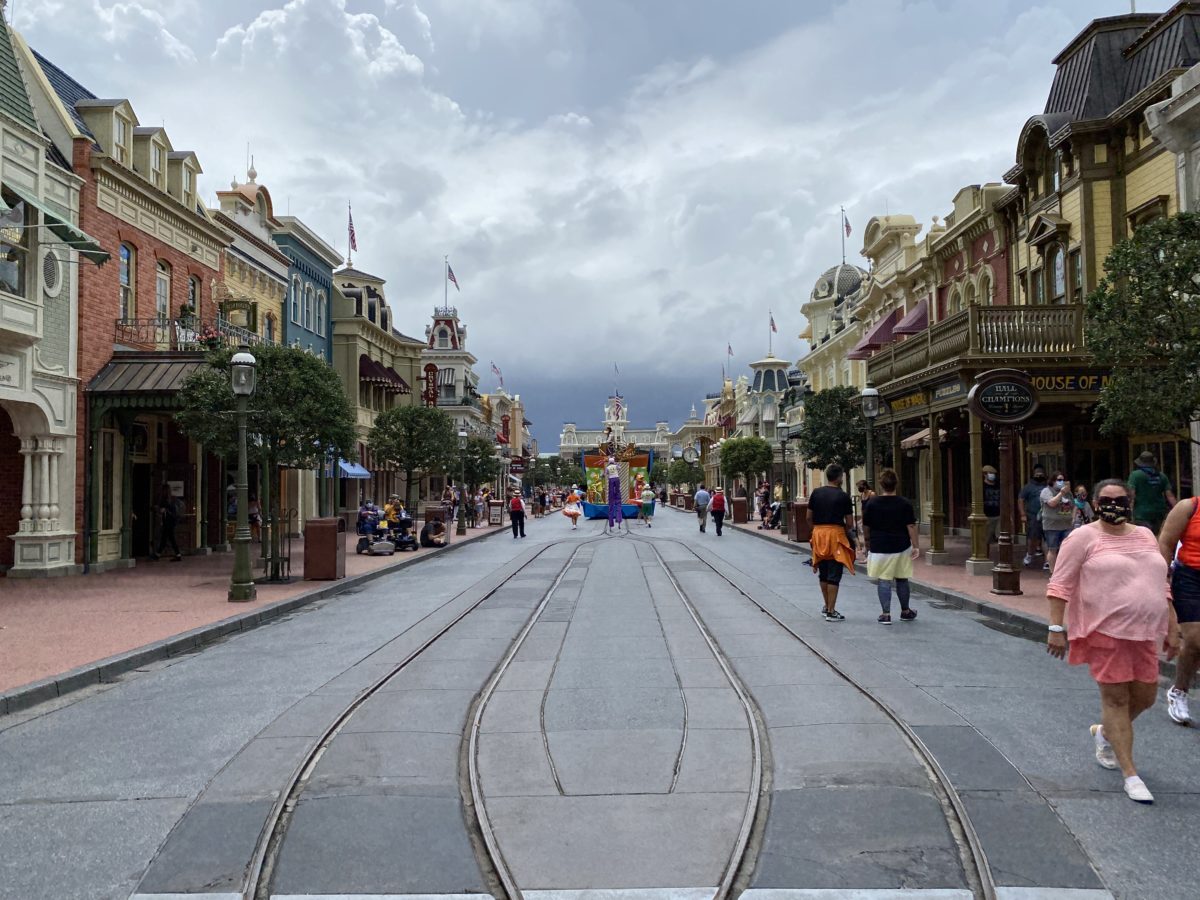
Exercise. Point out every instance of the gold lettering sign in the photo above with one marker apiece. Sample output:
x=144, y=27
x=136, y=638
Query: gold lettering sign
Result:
x=1068, y=383
x=908, y=402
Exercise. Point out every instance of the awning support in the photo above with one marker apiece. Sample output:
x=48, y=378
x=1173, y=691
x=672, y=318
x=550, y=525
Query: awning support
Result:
x=66, y=232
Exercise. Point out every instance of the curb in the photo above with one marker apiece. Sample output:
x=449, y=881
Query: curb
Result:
x=106, y=670
x=1017, y=624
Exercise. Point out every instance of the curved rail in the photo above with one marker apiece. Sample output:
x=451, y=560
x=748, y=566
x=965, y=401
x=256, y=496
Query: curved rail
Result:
x=257, y=885
x=974, y=859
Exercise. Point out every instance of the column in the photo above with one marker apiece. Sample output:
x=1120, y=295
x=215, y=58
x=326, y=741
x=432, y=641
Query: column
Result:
x=42, y=484
x=56, y=449
x=26, y=523
x=202, y=504
x=937, y=555
x=979, y=562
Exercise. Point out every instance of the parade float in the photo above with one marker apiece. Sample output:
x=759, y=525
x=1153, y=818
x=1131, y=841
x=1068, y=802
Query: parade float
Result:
x=615, y=470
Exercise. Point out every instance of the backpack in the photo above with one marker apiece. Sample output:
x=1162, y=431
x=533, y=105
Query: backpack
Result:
x=515, y=505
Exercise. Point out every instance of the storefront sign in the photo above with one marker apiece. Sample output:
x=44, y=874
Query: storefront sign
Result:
x=1003, y=397
x=909, y=401
x=949, y=391
x=1068, y=383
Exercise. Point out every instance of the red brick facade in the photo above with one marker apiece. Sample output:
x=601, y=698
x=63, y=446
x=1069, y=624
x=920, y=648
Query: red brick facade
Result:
x=99, y=299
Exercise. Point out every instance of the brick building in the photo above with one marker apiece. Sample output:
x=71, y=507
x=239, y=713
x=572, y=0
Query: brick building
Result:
x=143, y=319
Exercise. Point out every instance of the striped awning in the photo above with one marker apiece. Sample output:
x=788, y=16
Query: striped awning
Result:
x=395, y=378
x=371, y=371
x=445, y=376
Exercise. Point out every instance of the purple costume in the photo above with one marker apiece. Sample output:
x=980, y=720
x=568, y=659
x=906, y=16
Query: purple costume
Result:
x=615, y=514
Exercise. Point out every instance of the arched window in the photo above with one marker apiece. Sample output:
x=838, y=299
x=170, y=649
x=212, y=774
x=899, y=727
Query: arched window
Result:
x=322, y=313
x=127, y=276
x=269, y=328
x=768, y=380
x=970, y=297
x=758, y=378
x=985, y=290
x=162, y=290
x=443, y=339
x=193, y=300
x=295, y=303
x=955, y=302
x=308, y=307
x=1056, y=265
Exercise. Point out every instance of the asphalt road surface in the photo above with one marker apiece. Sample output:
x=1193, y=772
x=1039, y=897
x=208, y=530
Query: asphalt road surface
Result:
x=653, y=713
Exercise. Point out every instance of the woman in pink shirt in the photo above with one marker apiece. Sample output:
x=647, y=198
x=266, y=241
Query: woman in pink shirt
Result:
x=1111, y=582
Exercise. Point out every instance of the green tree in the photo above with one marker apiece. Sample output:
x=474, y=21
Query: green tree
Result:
x=1143, y=323
x=481, y=465
x=748, y=457
x=659, y=472
x=833, y=430
x=681, y=472
x=299, y=414
x=417, y=440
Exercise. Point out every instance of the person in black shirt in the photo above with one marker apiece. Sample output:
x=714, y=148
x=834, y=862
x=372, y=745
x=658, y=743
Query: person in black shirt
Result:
x=890, y=532
x=991, y=503
x=831, y=516
x=433, y=534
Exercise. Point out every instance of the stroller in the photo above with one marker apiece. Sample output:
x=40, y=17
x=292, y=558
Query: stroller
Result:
x=772, y=515
x=374, y=537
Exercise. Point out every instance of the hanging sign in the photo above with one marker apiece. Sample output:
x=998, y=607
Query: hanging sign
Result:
x=1003, y=397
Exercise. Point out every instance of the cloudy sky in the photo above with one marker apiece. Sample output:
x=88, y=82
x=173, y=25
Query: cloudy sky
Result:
x=636, y=181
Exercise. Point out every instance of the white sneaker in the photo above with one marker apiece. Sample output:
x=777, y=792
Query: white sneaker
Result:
x=1177, y=706
x=1028, y=560
x=1104, y=750
x=1137, y=791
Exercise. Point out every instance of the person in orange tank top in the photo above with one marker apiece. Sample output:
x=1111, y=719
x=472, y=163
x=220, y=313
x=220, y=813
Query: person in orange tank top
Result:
x=1179, y=543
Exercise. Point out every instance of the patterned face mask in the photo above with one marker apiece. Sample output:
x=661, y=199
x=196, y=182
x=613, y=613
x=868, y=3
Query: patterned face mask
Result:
x=1114, y=510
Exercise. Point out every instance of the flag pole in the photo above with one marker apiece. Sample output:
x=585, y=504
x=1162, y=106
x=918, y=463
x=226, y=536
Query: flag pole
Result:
x=770, y=340
x=842, y=228
x=446, y=280
x=349, y=214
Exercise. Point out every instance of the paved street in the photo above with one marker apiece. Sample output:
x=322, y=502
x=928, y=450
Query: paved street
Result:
x=574, y=712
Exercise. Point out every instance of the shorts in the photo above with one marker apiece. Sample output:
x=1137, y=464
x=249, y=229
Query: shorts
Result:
x=1114, y=660
x=829, y=571
x=1185, y=591
x=1055, y=538
x=1033, y=530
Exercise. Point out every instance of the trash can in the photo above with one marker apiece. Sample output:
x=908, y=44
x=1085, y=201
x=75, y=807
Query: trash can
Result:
x=435, y=514
x=689, y=502
x=800, y=531
x=324, y=549
x=495, y=512
x=740, y=506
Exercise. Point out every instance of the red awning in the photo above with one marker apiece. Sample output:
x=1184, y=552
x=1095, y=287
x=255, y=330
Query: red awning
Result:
x=394, y=377
x=861, y=350
x=881, y=333
x=369, y=370
x=916, y=321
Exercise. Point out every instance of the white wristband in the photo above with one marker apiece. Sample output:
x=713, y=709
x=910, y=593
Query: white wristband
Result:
x=1057, y=629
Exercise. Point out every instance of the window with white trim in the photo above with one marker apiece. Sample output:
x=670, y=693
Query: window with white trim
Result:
x=162, y=290
x=15, y=230
x=295, y=303
x=127, y=278
x=157, y=157
x=308, y=307
x=322, y=313
x=189, y=187
x=121, y=132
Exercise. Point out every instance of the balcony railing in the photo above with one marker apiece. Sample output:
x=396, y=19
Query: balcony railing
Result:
x=458, y=401
x=186, y=333
x=1008, y=333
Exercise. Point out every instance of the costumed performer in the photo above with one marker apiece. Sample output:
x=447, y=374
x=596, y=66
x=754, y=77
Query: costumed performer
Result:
x=572, y=508
x=613, y=471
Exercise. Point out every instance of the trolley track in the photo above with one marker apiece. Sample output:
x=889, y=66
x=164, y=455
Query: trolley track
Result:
x=974, y=859
x=260, y=875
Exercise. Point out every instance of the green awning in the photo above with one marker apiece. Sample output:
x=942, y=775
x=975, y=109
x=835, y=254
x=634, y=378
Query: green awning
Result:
x=66, y=232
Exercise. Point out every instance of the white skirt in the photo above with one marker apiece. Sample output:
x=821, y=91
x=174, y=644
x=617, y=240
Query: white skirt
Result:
x=888, y=566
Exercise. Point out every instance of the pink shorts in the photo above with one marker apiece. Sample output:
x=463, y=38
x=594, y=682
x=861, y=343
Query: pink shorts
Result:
x=1115, y=660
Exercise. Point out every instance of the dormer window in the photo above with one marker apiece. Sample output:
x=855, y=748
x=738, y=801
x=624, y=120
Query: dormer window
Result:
x=189, y=188
x=443, y=339
x=121, y=133
x=157, y=166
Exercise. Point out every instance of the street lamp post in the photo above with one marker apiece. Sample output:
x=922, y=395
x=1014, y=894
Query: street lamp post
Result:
x=462, y=486
x=870, y=408
x=242, y=378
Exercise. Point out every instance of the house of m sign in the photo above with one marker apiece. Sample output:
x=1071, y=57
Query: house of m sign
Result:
x=1003, y=397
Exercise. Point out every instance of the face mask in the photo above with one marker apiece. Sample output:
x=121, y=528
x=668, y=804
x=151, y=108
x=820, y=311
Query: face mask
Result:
x=989, y=478
x=1114, y=510
x=1039, y=478
x=1060, y=484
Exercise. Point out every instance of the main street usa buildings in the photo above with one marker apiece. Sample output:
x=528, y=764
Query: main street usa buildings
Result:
x=1002, y=282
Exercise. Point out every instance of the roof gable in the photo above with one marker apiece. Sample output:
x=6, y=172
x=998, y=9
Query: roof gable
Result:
x=14, y=96
x=69, y=91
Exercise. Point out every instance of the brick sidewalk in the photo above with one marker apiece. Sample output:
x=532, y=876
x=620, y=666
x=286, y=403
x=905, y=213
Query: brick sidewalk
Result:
x=49, y=626
x=954, y=576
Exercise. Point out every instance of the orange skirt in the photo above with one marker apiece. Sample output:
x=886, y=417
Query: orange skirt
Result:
x=830, y=542
x=1113, y=660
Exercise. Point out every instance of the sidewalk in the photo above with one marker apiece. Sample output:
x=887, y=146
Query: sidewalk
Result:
x=50, y=626
x=953, y=580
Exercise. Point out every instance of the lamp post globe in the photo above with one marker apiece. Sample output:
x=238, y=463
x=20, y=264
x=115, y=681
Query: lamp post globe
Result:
x=870, y=409
x=242, y=381
x=461, y=528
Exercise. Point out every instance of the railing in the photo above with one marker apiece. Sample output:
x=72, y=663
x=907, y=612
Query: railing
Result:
x=446, y=312
x=983, y=331
x=458, y=401
x=186, y=333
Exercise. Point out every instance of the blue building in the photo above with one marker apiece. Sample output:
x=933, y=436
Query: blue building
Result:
x=308, y=305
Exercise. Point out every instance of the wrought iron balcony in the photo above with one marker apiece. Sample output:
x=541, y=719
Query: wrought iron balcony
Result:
x=999, y=334
x=459, y=401
x=185, y=333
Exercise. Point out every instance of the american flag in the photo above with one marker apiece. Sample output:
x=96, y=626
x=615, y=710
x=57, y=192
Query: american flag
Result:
x=450, y=275
x=353, y=237
x=729, y=350
x=495, y=370
x=773, y=328
x=846, y=222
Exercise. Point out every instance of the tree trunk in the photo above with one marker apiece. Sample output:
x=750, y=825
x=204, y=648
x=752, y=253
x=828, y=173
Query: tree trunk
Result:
x=408, y=501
